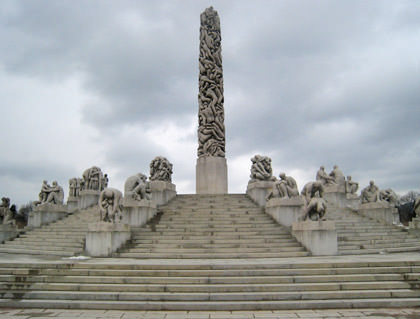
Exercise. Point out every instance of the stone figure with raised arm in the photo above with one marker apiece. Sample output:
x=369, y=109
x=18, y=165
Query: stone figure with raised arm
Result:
x=161, y=169
x=324, y=178
x=351, y=186
x=110, y=205
x=137, y=187
x=370, y=194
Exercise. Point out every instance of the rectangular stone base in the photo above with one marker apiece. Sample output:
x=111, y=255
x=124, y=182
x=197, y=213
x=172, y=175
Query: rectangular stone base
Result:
x=72, y=204
x=258, y=191
x=285, y=211
x=46, y=213
x=380, y=211
x=8, y=232
x=138, y=213
x=88, y=198
x=319, y=237
x=211, y=175
x=105, y=238
x=341, y=200
x=162, y=192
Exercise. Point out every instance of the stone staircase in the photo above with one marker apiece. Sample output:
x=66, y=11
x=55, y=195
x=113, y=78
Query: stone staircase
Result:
x=65, y=237
x=212, y=226
x=358, y=234
x=255, y=284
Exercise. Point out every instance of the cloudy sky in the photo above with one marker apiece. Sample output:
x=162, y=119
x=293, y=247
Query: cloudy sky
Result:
x=115, y=83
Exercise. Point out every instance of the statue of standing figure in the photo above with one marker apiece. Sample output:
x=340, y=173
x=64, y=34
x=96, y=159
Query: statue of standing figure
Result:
x=261, y=169
x=74, y=187
x=161, y=169
x=110, y=205
x=137, y=187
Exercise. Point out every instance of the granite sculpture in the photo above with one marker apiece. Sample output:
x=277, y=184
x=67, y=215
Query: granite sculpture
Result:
x=74, y=187
x=261, y=169
x=337, y=175
x=285, y=187
x=51, y=194
x=6, y=212
x=137, y=187
x=370, y=194
x=312, y=189
x=93, y=179
x=351, y=186
x=110, y=205
x=388, y=195
x=324, y=178
x=161, y=169
x=211, y=129
x=315, y=210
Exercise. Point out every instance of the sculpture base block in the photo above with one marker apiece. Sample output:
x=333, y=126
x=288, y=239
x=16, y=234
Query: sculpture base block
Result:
x=162, y=192
x=341, y=200
x=319, y=237
x=105, y=238
x=258, y=191
x=414, y=227
x=72, y=204
x=211, y=175
x=285, y=211
x=8, y=232
x=138, y=213
x=88, y=198
x=380, y=211
x=46, y=213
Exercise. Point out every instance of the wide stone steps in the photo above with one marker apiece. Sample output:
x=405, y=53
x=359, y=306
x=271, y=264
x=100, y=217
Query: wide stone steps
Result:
x=212, y=226
x=210, y=286
x=65, y=237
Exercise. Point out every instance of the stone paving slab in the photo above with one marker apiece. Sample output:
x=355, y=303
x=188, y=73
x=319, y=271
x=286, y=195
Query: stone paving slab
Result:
x=382, y=313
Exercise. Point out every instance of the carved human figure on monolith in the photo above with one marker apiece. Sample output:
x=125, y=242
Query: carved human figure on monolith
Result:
x=137, y=187
x=161, y=169
x=74, y=187
x=370, y=194
x=51, y=194
x=351, y=186
x=323, y=177
x=93, y=179
x=211, y=129
x=315, y=210
x=311, y=190
x=337, y=175
x=261, y=169
x=110, y=205
x=286, y=187
x=389, y=196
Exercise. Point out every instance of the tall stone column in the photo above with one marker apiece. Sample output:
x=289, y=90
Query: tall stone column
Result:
x=211, y=169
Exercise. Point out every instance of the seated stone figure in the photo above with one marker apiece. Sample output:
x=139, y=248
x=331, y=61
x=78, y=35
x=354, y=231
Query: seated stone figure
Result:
x=261, y=169
x=110, y=205
x=389, y=196
x=315, y=209
x=351, y=186
x=287, y=186
x=311, y=190
x=45, y=190
x=136, y=187
x=161, y=169
x=4, y=209
x=370, y=194
x=324, y=178
x=338, y=175
x=56, y=194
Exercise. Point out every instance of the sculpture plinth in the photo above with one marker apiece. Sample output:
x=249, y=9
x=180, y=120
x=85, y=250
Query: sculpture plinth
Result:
x=138, y=212
x=46, y=213
x=162, y=192
x=88, y=198
x=285, y=211
x=381, y=211
x=105, y=238
x=211, y=175
x=319, y=237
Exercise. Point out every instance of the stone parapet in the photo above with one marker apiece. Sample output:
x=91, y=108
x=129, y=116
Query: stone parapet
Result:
x=285, y=211
x=138, y=213
x=88, y=198
x=104, y=238
x=46, y=213
x=211, y=175
x=258, y=191
x=8, y=232
x=319, y=237
x=380, y=211
x=162, y=192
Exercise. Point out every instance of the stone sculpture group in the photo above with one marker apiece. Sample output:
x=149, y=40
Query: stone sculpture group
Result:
x=51, y=194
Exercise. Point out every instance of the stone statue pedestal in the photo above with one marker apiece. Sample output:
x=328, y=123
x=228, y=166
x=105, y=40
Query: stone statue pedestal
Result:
x=162, y=192
x=211, y=175
x=8, y=232
x=105, y=238
x=258, y=191
x=285, y=211
x=138, y=213
x=46, y=213
x=381, y=211
x=336, y=196
x=72, y=203
x=88, y=198
x=319, y=237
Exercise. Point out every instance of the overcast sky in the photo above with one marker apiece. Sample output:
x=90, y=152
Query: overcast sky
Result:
x=115, y=83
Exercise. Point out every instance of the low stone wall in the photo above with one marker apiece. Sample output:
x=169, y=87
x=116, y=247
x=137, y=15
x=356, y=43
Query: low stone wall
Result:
x=381, y=212
x=285, y=211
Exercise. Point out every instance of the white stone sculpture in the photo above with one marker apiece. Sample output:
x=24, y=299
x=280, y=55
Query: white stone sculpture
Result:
x=137, y=187
x=351, y=186
x=286, y=187
x=110, y=205
x=337, y=175
x=93, y=179
x=315, y=210
x=261, y=169
x=211, y=129
x=370, y=194
x=74, y=187
x=388, y=195
x=312, y=189
x=324, y=178
x=6, y=212
x=161, y=169
x=51, y=194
